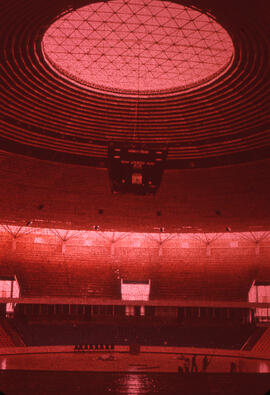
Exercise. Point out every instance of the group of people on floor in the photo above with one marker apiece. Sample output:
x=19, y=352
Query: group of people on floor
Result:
x=93, y=347
x=191, y=366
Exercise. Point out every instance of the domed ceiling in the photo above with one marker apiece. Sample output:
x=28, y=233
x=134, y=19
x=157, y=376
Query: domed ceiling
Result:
x=192, y=75
x=138, y=48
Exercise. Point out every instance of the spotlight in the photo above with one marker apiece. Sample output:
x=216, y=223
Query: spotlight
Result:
x=228, y=229
x=162, y=230
x=96, y=227
x=28, y=223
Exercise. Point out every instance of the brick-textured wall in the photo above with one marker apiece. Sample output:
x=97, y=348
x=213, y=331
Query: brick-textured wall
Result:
x=208, y=199
x=88, y=266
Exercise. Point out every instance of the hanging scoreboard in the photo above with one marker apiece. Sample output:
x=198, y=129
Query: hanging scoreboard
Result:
x=136, y=168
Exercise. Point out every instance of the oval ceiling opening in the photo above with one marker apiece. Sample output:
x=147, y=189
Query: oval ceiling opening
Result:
x=139, y=47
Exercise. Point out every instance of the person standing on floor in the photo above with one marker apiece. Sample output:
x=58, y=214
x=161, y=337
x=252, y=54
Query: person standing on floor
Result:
x=205, y=363
x=186, y=365
x=194, y=367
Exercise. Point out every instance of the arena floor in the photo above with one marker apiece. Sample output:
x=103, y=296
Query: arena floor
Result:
x=128, y=363
x=61, y=370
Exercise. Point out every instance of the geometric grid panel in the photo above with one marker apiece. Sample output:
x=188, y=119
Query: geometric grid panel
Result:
x=138, y=46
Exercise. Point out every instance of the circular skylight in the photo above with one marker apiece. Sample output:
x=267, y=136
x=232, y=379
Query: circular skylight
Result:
x=138, y=46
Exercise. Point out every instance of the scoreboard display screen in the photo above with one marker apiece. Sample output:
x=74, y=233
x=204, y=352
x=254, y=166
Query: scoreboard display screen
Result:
x=136, y=168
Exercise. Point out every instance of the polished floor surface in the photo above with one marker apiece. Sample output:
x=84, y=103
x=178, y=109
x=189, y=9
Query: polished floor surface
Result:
x=126, y=362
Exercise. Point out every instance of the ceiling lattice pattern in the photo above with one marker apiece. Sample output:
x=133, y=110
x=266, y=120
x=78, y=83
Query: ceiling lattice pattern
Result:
x=138, y=46
x=223, y=119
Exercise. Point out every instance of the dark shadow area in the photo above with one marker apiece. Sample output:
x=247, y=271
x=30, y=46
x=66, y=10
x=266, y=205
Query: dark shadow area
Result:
x=25, y=382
